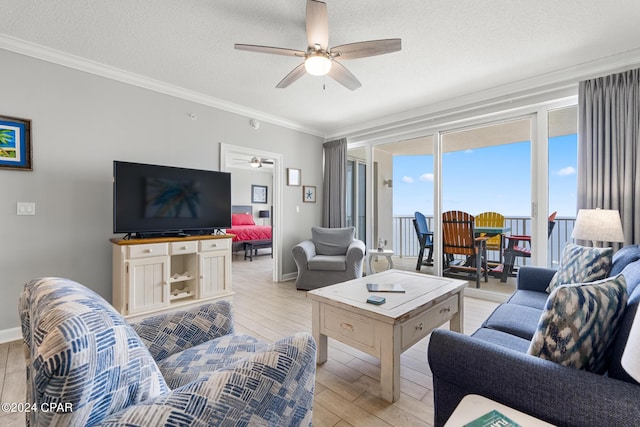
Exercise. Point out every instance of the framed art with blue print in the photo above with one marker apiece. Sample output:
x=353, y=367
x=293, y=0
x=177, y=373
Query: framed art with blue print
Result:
x=258, y=194
x=15, y=143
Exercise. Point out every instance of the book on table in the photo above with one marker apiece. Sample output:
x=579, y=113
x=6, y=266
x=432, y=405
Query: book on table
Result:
x=385, y=287
x=491, y=419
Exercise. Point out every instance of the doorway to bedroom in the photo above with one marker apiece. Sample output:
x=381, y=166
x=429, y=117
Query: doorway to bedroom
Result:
x=256, y=204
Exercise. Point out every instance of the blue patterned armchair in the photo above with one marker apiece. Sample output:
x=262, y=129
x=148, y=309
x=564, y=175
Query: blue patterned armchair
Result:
x=86, y=366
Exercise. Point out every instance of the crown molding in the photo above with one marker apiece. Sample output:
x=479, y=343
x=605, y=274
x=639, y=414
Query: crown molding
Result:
x=555, y=84
x=44, y=53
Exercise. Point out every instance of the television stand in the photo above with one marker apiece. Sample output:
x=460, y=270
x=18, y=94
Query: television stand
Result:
x=153, y=275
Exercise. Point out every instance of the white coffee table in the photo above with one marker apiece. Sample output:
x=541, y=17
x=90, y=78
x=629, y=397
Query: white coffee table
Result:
x=374, y=253
x=384, y=331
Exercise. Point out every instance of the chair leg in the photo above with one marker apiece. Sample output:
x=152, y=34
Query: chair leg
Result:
x=430, y=256
x=486, y=267
x=478, y=267
x=509, y=259
x=420, y=255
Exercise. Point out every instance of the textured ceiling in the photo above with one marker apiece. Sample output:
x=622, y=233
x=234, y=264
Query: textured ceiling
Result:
x=449, y=48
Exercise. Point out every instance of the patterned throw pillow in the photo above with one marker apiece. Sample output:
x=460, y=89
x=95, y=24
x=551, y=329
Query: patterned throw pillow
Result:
x=579, y=324
x=581, y=264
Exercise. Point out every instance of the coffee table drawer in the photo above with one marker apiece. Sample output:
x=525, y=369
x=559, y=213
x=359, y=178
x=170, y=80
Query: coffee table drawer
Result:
x=348, y=326
x=421, y=325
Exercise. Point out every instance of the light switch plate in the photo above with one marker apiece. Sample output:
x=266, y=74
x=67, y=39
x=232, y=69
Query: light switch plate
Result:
x=26, y=208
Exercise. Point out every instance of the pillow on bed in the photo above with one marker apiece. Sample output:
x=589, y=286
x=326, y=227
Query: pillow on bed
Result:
x=242, y=219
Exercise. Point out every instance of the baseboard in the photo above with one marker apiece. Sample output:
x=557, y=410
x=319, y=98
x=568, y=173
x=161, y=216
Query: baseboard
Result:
x=289, y=276
x=8, y=335
x=486, y=295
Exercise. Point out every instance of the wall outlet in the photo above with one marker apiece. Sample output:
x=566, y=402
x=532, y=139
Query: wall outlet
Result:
x=26, y=208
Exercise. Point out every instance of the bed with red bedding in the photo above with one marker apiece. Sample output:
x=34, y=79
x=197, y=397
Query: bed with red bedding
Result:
x=244, y=227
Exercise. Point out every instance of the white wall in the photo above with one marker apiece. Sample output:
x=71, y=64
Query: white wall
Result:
x=80, y=124
x=241, y=182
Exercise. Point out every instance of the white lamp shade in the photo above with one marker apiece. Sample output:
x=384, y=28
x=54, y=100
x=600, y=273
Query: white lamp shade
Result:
x=317, y=64
x=631, y=356
x=598, y=225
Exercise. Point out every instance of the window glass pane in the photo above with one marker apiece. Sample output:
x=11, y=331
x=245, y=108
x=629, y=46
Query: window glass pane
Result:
x=350, y=193
x=361, y=230
x=487, y=169
x=563, y=178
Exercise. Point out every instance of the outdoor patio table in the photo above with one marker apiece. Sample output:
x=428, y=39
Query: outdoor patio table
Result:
x=493, y=231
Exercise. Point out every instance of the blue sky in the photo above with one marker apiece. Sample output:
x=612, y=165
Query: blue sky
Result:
x=487, y=179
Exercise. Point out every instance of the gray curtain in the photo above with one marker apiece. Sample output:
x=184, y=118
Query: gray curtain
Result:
x=334, y=206
x=608, y=152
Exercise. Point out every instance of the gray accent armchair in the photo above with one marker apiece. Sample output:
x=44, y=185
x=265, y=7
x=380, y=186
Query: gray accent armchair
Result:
x=332, y=255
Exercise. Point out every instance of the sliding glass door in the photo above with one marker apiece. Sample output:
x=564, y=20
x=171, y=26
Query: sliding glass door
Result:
x=520, y=164
x=357, y=194
x=486, y=172
x=563, y=171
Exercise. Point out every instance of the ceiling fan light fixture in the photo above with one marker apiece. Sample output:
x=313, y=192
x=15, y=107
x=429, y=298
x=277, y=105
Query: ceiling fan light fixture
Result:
x=255, y=163
x=317, y=64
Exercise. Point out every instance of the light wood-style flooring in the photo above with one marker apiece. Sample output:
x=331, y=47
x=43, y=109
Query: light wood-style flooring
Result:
x=347, y=386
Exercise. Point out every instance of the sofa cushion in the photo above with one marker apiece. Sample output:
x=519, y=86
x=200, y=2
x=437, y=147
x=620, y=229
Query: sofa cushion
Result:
x=581, y=264
x=631, y=275
x=502, y=339
x=196, y=362
x=579, y=324
x=518, y=320
x=625, y=256
x=328, y=263
x=332, y=241
x=527, y=298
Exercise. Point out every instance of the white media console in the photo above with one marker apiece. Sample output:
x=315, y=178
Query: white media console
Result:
x=162, y=274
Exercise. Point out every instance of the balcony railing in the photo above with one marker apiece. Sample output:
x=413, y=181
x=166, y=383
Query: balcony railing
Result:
x=405, y=241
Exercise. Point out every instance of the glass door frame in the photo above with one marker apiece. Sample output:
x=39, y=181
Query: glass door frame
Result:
x=438, y=179
x=360, y=210
x=538, y=114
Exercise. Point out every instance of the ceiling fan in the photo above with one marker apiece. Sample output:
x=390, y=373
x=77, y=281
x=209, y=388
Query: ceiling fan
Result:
x=255, y=162
x=319, y=59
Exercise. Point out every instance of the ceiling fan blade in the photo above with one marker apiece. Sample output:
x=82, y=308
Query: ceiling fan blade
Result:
x=317, y=24
x=343, y=76
x=294, y=75
x=364, y=49
x=269, y=49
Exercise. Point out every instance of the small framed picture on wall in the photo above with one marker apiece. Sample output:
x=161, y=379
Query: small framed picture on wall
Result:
x=294, y=177
x=258, y=194
x=309, y=194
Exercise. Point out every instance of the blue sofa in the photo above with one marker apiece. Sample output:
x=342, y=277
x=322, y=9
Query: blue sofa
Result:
x=493, y=361
x=86, y=366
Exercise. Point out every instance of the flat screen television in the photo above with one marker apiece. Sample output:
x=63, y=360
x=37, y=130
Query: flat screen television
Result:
x=154, y=200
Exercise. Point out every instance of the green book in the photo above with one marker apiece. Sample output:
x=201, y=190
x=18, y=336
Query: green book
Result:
x=493, y=419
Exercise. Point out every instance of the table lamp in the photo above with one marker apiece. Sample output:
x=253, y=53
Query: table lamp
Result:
x=263, y=215
x=598, y=225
